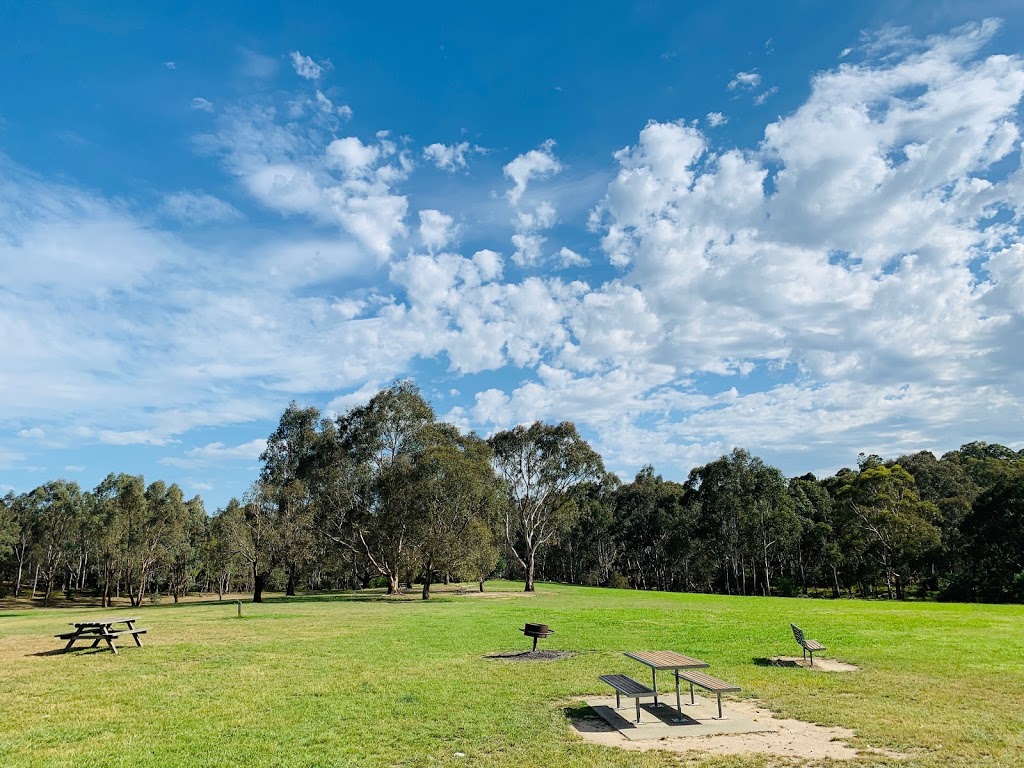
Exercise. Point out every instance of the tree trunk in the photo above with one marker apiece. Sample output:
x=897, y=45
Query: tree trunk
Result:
x=481, y=585
x=393, y=585
x=530, y=562
x=35, y=582
x=259, y=581
x=428, y=574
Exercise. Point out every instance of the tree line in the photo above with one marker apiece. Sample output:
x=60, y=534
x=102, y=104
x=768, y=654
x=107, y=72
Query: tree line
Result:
x=385, y=494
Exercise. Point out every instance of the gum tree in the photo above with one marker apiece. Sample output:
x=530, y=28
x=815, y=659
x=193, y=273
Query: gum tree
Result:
x=542, y=467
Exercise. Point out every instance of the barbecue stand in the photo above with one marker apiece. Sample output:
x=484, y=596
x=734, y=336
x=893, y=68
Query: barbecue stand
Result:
x=536, y=631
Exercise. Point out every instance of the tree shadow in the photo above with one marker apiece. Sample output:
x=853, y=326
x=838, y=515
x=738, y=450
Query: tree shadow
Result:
x=776, y=662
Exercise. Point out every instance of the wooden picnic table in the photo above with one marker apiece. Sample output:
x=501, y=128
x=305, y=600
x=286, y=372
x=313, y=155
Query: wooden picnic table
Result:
x=103, y=630
x=665, y=660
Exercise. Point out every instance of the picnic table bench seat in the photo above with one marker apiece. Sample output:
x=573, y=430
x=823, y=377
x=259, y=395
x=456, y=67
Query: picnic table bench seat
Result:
x=713, y=684
x=809, y=646
x=625, y=685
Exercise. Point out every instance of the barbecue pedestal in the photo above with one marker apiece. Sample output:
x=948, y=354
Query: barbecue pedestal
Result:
x=536, y=631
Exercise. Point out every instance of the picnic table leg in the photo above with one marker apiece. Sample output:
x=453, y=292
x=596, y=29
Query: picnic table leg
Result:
x=693, y=701
x=71, y=641
x=618, y=703
x=95, y=642
x=654, y=687
x=138, y=642
x=679, y=706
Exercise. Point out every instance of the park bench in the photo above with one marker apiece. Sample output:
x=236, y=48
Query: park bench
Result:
x=625, y=685
x=809, y=646
x=713, y=684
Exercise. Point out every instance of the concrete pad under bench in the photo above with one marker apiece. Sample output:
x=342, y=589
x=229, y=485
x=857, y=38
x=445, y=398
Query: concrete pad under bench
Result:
x=698, y=720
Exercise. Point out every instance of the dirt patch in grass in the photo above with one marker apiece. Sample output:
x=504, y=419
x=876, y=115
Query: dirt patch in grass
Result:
x=820, y=665
x=793, y=739
x=530, y=655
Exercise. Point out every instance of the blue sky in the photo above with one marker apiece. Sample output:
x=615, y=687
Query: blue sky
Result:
x=792, y=227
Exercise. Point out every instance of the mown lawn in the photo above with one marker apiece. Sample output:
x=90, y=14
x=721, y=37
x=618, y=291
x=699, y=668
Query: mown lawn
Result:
x=358, y=680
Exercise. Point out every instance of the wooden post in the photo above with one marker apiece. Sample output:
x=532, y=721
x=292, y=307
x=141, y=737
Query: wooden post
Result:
x=239, y=604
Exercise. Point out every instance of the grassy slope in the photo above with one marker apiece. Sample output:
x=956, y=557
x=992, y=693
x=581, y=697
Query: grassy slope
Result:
x=345, y=680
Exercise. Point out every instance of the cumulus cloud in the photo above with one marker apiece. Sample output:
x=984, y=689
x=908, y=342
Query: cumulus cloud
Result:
x=35, y=433
x=305, y=67
x=536, y=163
x=716, y=119
x=201, y=104
x=744, y=80
x=447, y=157
x=288, y=168
x=437, y=230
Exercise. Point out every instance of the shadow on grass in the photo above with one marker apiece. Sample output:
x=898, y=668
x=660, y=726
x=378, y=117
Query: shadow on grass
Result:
x=770, y=662
x=580, y=712
x=73, y=651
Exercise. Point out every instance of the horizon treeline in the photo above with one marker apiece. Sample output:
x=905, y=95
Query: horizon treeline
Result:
x=386, y=495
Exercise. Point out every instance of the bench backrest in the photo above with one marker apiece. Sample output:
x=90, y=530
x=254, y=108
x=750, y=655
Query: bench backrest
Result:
x=798, y=634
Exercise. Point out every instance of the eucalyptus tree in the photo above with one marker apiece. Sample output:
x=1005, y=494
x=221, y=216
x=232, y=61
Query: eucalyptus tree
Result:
x=455, y=488
x=290, y=472
x=378, y=445
x=994, y=532
x=543, y=467
x=187, y=548
x=21, y=513
x=57, y=505
x=899, y=529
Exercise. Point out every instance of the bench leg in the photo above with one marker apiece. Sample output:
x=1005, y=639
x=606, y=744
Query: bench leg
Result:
x=654, y=685
x=693, y=702
x=720, y=715
x=805, y=656
x=812, y=658
x=138, y=640
x=618, y=701
x=70, y=643
x=110, y=644
x=638, y=710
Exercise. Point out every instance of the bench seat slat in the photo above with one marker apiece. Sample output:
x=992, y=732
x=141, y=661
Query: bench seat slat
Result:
x=706, y=681
x=627, y=686
x=813, y=645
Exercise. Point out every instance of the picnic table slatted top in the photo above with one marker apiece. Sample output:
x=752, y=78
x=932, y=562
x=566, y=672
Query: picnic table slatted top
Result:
x=103, y=622
x=666, y=660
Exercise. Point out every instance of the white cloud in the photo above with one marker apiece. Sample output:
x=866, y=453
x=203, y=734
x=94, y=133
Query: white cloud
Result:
x=201, y=104
x=761, y=98
x=35, y=433
x=198, y=208
x=305, y=67
x=74, y=468
x=716, y=119
x=170, y=64
x=286, y=168
x=569, y=258
x=437, y=230
x=744, y=80
x=447, y=157
x=537, y=163
x=216, y=453
x=351, y=156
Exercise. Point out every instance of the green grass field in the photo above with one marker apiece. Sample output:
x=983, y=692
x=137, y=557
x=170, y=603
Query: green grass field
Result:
x=359, y=680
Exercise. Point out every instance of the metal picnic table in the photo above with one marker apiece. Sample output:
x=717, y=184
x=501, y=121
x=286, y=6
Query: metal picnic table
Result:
x=102, y=629
x=663, y=660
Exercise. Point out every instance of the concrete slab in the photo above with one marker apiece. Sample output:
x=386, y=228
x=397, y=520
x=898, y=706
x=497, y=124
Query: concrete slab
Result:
x=658, y=722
